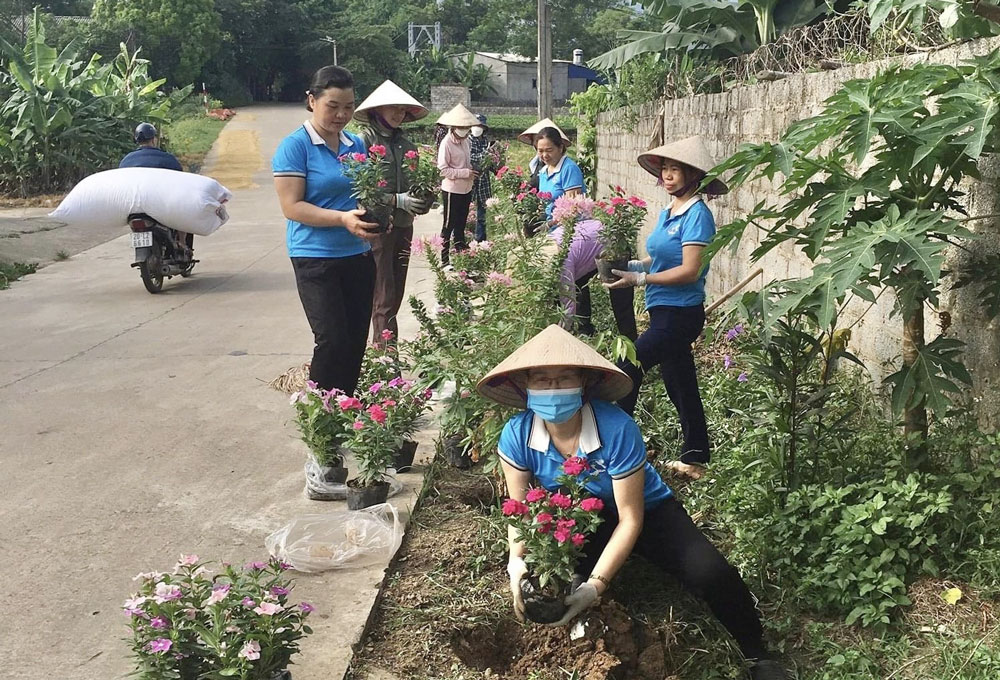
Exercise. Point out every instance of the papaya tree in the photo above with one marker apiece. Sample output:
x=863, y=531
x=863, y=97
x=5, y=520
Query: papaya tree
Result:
x=872, y=194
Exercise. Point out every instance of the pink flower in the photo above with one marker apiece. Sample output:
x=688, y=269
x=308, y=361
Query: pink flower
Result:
x=545, y=195
x=592, y=504
x=465, y=394
x=436, y=241
x=418, y=246
x=543, y=518
x=561, y=535
x=268, y=609
x=159, y=645
x=520, y=197
x=166, y=593
x=387, y=334
x=411, y=154
x=428, y=393
x=578, y=539
x=377, y=414
x=566, y=523
x=396, y=382
x=637, y=202
x=502, y=279
x=381, y=184
x=134, y=603
x=512, y=507
x=535, y=495
x=307, y=608
x=375, y=387
x=358, y=425
x=248, y=602
x=545, y=528
x=560, y=501
x=255, y=565
x=159, y=623
x=219, y=593
x=575, y=465
x=618, y=201
x=251, y=650
x=349, y=403
x=187, y=560
x=359, y=157
x=284, y=566
x=388, y=403
x=279, y=591
x=376, y=150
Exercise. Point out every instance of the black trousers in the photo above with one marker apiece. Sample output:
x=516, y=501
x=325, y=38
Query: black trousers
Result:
x=671, y=541
x=456, y=215
x=622, y=306
x=336, y=294
x=668, y=343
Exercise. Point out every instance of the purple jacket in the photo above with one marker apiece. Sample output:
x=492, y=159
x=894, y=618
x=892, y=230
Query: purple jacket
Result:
x=584, y=249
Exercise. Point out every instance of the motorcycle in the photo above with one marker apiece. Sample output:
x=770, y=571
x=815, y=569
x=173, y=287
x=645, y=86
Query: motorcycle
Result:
x=159, y=252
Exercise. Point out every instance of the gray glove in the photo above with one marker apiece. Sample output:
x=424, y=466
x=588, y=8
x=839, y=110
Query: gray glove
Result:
x=638, y=266
x=412, y=204
x=581, y=599
x=516, y=569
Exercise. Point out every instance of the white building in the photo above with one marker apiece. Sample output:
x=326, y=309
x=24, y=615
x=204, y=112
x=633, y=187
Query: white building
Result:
x=515, y=78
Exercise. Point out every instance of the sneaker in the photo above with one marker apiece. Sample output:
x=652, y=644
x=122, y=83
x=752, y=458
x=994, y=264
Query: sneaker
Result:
x=448, y=268
x=767, y=669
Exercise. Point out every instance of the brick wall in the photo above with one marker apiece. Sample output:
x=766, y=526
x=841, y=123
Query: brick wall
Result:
x=447, y=97
x=761, y=113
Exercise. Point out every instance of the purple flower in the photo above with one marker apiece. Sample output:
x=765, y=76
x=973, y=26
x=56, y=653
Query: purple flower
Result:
x=159, y=623
x=375, y=388
x=247, y=602
x=279, y=591
x=727, y=362
x=284, y=566
x=159, y=645
x=742, y=377
x=166, y=592
x=307, y=608
x=255, y=565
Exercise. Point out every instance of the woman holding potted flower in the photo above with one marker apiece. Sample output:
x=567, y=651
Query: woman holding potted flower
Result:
x=530, y=137
x=381, y=116
x=327, y=240
x=675, y=290
x=568, y=390
x=458, y=177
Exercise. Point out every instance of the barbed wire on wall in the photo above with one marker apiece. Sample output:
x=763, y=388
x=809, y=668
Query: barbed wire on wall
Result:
x=838, y=41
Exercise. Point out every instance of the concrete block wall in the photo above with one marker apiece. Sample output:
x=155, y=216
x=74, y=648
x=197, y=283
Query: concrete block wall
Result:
x=759, y=113
x=446, y=97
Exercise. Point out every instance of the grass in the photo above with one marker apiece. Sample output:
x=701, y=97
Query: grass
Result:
x=191, y=138
x=10, y=272
x=62, y=255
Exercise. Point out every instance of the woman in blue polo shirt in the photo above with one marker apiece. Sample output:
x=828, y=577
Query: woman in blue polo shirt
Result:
x=327, y=240
x=568, y=390
x=675, y=290
x=559, y=175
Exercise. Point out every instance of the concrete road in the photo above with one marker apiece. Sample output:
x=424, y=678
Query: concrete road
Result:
x=136, y=427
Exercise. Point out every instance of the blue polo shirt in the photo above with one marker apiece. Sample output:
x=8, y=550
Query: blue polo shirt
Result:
x=609, y=440
x=567, y=175
x=692, y=225
x=304, y=154
x=151, y=157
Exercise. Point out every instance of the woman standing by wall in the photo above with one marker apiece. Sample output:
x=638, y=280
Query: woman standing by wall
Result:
x=381, y=116
x=559, y=174
x=327, y=240
x=455, y=163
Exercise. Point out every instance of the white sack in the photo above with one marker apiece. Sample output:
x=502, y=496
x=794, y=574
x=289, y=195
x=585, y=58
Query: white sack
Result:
x=180, y=200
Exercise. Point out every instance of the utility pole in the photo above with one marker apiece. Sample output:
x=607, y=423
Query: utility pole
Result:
x=544, y=60
x=328, y=39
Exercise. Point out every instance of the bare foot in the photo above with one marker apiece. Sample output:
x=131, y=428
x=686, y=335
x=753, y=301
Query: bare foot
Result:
x=685, y=470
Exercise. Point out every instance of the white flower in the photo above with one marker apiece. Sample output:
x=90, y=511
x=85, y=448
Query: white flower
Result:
x=251, y=650
x=134, y=603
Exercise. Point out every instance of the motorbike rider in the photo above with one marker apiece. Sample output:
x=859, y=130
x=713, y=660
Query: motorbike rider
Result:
x=150, y=155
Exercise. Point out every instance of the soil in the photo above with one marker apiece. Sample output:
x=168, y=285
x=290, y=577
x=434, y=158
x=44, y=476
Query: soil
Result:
x=446, y=610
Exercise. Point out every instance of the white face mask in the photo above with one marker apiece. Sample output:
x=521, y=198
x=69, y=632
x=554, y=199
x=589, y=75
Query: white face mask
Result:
x=461, y=133
x=477, y=131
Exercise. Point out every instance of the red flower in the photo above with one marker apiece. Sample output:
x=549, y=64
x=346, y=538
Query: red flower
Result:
x=349, y=403
x=519, y=197
x=560, y=501
x=592, y=504
x=411, y=154
x=618, y=200
x=544, y=528
x=561, y=535
x=376, y=150
x=637, y=202
x=545, y=195
x=377, y=414
x=382, y=184
x=578, y=539
x=543, y=518
x=513, y=507
x=575, y=465
x=524, y=185
x=535, y=495
x=566, y=523
x=389, y=403
x=359, y=157
x=387, y=334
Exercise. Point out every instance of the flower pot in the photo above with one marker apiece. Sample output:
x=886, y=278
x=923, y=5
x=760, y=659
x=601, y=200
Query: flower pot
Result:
x=455, y=453
x=281, y=675
x=359, y=497
x=539, y=606
x=604, y=268
x=404, y=456
x=334, y=474
x=380, y=215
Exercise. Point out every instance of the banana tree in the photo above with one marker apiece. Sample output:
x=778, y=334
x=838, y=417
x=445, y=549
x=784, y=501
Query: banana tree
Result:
x=871, y=195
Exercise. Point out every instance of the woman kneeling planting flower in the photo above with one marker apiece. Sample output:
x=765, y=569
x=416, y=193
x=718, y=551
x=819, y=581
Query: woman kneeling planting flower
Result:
x=570, y=426
x=192, y=625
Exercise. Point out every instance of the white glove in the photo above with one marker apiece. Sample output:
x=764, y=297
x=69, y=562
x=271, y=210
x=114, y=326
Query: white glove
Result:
x=579, y=600
x=412, y=204
x=516, y=569
x=628, y=279
x=638, y=266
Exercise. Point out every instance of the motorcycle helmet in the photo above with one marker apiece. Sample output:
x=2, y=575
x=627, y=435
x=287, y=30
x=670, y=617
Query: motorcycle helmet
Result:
x=144, y=132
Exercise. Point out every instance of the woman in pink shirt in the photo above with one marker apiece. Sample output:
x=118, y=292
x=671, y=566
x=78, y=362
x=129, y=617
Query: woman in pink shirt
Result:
x=457, y=177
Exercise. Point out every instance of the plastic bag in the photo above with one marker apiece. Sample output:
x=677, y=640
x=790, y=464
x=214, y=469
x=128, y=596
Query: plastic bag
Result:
x=180, y=200
x=318, y=489
x=350, y=538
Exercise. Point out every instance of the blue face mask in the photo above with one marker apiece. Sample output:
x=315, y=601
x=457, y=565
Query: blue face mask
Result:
x=556, y=406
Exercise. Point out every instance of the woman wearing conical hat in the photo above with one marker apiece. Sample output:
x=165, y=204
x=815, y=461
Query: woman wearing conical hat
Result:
x=567, y=390
x=458, y=177
x=675, y=290
x=530, y=136
x=381, y=115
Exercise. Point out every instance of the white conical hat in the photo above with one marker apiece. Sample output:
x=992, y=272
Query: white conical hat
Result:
x=553, y=347
x=528, y=136
x=690, y=151
x=458, y=117
x=390, y=94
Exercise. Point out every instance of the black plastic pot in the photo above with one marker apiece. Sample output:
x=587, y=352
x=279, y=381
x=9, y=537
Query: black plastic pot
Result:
x=380, y=215
x=359, y=497
x=604, y=268
x=539, y=606
x=281, y=675
x=334, y=474
x=456, y=454
x=404, y=456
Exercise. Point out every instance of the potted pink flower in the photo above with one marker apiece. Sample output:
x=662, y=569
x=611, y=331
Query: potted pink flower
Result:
x=374, y=444
x=622, y=217
x=553, y=526
x=421, y=167
x=366, y=172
